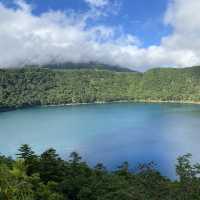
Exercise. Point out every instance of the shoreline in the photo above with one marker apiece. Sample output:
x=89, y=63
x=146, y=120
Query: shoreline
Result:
x=169, y=101
x=125, y=101
x=104, y=102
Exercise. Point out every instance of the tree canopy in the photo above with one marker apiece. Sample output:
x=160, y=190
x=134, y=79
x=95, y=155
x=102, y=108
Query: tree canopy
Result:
x=49, y=177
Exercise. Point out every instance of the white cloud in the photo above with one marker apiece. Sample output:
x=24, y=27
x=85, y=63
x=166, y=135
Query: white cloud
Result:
x=184, y=17
x=97, y=3
x=65, y=37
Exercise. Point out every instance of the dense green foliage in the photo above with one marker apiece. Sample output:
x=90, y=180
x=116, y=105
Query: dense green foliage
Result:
x=41, y=86
x=48, y=177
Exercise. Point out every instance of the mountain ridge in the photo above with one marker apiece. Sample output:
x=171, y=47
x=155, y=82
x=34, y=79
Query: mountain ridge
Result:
x=42, y=86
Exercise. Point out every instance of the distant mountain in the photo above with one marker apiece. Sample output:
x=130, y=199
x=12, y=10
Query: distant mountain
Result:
x=91, y=65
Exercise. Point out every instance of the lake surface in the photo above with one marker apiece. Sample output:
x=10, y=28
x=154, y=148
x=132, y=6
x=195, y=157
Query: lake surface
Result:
x=108, y=133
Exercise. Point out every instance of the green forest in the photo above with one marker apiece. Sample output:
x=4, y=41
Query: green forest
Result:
x=49, y=177
x=43, y=86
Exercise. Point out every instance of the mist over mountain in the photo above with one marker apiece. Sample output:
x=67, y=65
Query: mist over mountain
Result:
x=167, y=35
x=90, y=65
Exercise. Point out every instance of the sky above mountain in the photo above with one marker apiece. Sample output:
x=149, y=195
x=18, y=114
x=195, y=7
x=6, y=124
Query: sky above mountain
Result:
x=138, y=34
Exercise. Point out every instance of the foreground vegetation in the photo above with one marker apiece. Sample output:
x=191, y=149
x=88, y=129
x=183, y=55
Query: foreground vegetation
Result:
x=42, y=86
x=48, y=177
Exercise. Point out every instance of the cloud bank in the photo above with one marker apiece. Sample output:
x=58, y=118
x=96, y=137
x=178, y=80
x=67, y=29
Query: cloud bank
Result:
x=57, y=36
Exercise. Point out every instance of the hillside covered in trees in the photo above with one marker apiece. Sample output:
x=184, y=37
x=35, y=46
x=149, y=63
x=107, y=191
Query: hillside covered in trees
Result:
x=49, y=177
x=43, y=86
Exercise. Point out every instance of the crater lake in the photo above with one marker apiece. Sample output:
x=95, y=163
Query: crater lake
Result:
x=107, y=133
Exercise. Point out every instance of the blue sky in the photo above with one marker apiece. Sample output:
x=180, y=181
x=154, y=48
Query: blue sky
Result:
x=142, y=18
x=132, y=33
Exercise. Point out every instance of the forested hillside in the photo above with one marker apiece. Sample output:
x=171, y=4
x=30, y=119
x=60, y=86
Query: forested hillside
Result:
x=41, y=86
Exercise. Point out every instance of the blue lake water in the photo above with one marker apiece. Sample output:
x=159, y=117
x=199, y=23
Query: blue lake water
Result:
x=108, y=133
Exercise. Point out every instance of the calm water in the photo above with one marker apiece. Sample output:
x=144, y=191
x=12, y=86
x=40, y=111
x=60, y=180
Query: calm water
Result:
x=108, y=133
